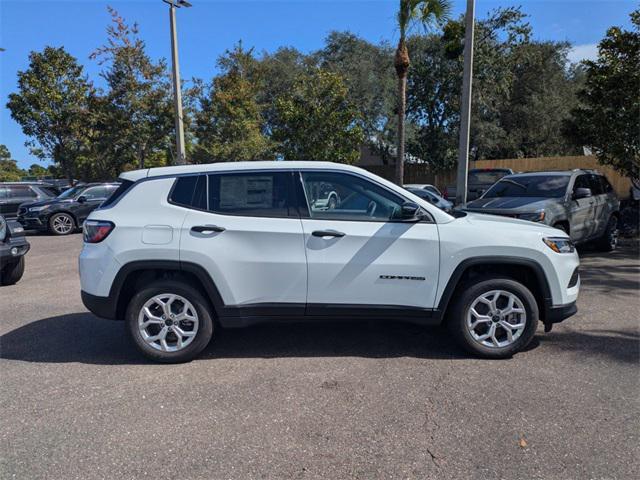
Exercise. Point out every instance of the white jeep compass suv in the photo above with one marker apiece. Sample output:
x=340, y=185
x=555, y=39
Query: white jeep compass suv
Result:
x=178, y=252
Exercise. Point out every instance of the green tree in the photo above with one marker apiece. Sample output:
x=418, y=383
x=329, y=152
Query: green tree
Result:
x=50, y=106
x=229, y=124
x=426, y=12
x=36, y=170
x=608, y=117
x=317, y=121
x=137, y=107
x=368, y=73
x=9, y=170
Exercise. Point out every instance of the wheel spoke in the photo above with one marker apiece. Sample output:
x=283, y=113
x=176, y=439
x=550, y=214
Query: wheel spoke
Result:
x=161, y=335
x=180, y=332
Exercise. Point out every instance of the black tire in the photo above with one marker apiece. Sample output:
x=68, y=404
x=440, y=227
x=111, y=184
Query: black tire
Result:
x=609, y=239
x=468, y=293
x=12, y=272
x=67, y=218
x=205, y=328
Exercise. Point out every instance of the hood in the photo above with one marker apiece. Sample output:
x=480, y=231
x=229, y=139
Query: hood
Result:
x=498, y=221
x=528, y=204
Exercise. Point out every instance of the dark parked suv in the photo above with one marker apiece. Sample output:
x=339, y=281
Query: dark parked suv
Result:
x=13, y=194
x=13, y=247
x=63, y=214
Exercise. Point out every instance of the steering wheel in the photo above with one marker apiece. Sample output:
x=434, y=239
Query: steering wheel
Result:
x=371, y=208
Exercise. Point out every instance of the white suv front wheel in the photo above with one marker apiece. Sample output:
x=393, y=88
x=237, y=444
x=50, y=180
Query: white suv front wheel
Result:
x=494, y=318
x=169, y=321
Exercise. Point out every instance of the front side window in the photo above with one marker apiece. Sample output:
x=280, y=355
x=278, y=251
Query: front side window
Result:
x=339, y=196
x=95, y=193
x=543, y=186
x=582, y=181
x=596, y=185
x=251, y=194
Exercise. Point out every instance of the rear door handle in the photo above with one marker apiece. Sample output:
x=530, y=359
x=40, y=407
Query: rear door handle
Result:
x=327, y=233
x=207, y=228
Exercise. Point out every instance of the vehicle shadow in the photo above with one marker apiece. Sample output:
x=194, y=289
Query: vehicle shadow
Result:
x=84, y=338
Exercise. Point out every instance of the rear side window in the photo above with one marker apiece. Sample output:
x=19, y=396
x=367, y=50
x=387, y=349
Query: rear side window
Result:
x=117, y=193
x=21, y=191
x=190, y=192
x=259, y=194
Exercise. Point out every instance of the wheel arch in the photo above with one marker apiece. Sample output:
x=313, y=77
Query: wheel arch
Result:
x=132, y=276
x=524, y=270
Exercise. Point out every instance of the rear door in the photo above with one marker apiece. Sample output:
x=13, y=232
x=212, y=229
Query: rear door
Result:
x=247, y=234
x=582, y=211
x=360, y=259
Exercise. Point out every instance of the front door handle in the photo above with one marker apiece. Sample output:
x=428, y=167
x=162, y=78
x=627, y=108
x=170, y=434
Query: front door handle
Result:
x=327, y=233
x=207, y=228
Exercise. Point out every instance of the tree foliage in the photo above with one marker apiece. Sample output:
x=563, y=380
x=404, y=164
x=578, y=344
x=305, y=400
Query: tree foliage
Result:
x=229, y=124
x=51, y=107
x=317, y=121
x=134, y=119
x=608, y=116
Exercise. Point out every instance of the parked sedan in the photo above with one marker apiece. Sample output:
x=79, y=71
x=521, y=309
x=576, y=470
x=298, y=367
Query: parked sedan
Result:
x=424, y=186
x=582, y=203
x=432, y=198
x=63, y=214
x=13, y=194
x=13, y=247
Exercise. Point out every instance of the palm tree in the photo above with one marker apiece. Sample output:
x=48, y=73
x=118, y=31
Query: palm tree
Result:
x=427, y=13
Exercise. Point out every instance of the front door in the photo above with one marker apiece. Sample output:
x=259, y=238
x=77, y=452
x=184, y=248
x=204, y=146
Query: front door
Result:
x=360, y=257
x=582, y=211
x=248, y=236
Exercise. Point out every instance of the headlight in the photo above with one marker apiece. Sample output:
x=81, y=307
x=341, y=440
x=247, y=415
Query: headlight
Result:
x=38, y=209
x=532, y=217
x=559, y=244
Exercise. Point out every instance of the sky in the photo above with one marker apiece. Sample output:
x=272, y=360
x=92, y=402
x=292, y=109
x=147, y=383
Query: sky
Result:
x=210, y=27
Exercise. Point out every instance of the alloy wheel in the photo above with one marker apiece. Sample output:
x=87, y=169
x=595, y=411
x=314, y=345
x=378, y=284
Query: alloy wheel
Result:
x=496, y=319
x=62, y=224
x=168, y=322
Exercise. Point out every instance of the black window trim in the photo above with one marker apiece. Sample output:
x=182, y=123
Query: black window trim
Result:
x=293, y=192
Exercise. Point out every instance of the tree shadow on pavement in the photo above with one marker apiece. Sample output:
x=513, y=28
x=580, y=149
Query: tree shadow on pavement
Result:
x=82, y=337
x=622, y=346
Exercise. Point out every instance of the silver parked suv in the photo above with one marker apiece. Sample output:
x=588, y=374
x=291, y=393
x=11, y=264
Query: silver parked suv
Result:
x=582, y=203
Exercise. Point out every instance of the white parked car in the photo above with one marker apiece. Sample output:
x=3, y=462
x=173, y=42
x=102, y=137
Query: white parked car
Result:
x=178, y=252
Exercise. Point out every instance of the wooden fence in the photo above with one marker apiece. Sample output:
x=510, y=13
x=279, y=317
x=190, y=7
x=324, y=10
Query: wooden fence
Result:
x=418, y=173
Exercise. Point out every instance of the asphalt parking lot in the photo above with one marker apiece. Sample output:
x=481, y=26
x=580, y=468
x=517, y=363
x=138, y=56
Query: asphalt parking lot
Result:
x=324, y=401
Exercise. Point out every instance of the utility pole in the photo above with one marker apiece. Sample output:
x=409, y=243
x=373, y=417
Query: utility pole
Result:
x=465, y=113
x=181, y=158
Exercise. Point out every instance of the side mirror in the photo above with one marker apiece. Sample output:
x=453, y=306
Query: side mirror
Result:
x=410, y=211
x=82, y=199
x=581, y=193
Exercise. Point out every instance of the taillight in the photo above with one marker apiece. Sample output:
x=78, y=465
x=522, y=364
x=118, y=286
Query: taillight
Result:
x=94, y=231
x=445, y=194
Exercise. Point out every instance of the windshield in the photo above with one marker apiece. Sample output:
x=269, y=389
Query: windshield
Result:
x=550, y=186
x=489, y=176
x=72, y=192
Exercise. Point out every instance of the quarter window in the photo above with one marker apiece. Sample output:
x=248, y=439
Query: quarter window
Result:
x=190, y=192
x=338, y=196
x=259, y=194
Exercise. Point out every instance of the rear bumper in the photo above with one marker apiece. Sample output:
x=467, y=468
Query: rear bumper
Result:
x=103, y=307
x=557, y=314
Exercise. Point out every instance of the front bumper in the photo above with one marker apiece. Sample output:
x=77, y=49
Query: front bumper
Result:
x=558, y=313
x=13, y=249
x=32, y=222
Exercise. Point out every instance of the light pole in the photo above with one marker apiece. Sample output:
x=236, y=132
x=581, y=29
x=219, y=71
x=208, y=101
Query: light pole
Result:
x=465, y=113
x=177, y=95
